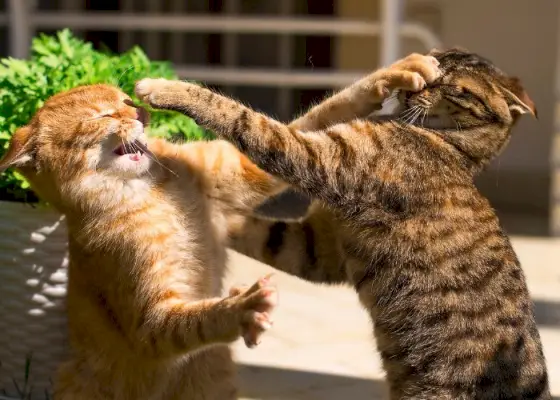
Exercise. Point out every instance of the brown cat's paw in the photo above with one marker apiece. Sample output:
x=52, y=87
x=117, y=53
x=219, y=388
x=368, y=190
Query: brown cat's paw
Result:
x=256, y=303
x=160, y=92
x=144, y=88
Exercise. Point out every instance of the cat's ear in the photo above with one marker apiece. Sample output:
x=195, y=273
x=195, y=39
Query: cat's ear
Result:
x=18, y=150
x=518, y=99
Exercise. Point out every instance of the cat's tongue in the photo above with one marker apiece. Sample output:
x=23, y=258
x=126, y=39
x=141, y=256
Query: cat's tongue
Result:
x=135, y=157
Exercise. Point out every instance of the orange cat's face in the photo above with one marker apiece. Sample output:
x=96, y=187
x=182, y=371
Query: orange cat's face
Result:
x=93, y=128
x=86, y=130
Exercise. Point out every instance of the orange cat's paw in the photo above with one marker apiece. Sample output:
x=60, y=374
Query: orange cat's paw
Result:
x=414, y=72
x=256, y=304
x=411, y=73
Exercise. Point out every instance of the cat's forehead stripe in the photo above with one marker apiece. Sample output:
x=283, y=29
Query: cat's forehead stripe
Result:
x=458, y=61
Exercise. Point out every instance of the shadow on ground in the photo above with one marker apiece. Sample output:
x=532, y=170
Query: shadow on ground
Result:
x=269, y=383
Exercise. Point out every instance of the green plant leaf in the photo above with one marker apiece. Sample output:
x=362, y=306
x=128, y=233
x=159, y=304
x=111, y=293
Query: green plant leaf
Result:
x=61, y=62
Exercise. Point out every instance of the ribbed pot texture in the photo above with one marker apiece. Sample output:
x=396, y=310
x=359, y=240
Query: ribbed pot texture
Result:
x=33, y=278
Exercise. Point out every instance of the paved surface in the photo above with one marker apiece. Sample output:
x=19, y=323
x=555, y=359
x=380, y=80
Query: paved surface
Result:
x=321, y=346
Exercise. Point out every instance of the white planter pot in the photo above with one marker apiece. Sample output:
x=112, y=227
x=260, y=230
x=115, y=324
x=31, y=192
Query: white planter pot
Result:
x=33, y=277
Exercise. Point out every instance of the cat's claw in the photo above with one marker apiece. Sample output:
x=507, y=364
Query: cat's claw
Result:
x=255, y=324
x=256, y=303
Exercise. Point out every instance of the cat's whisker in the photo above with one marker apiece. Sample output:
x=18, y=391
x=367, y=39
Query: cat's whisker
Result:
x=426, y=111
x=154, y=158
x=136, y=147
x=407, y=113
x=410, y=120
x=415, y=117
x=122, y=74
x=457, y=124
x=421, y=116
x=413, y=110
x=418, y=115
x=405, y=120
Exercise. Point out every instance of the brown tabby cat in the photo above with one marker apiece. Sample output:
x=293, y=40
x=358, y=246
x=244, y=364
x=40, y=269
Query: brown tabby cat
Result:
x=316, y=247
x=313, y=248
x=147, y=255
x=310, y=248
x=452, y=314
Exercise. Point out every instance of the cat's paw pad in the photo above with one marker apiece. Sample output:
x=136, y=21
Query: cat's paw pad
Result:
x=413, y=73
x=256, y=303
x=413, y=81
x=426, y=66
x=145, y=87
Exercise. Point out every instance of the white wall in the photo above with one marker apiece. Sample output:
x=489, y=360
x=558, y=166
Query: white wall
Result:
x=520, y=37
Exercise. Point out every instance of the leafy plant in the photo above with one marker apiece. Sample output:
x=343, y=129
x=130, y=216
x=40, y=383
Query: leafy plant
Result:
x=61, y=62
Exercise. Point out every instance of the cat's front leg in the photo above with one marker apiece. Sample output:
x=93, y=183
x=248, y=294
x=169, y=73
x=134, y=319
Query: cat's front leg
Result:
x=175, y=327
x=367, y=95
x=182, y=96
x=246, y=312
x=303, y=160
x=256, y=304
x=411, y=73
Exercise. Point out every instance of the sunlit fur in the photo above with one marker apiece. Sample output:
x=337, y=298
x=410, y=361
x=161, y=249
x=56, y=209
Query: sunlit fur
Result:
x=423, y=248
x=147, y=254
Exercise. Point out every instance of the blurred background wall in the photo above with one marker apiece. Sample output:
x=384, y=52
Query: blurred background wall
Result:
x=520, y=36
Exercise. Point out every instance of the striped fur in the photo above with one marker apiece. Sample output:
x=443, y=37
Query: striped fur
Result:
x=147, y=249
x=310, y=248
x=319, y=247
x=451, y=311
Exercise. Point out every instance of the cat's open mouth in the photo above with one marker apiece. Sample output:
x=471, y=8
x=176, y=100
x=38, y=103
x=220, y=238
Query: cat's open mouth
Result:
x=134, y=149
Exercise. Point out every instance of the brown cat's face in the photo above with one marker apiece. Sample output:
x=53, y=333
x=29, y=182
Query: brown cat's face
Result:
x=472, y=92
x=86, y=130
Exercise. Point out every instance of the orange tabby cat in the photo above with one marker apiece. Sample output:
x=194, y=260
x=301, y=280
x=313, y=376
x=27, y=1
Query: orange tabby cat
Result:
x=146, y=232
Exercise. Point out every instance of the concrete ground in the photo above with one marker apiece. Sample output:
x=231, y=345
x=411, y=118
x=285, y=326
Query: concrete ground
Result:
x=321, y=346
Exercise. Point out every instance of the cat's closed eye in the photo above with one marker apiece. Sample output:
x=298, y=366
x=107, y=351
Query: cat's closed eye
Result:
x=464, y=93
x=461, y=91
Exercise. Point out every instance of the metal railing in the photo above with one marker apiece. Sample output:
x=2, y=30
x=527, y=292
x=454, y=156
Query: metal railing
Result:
x=22, y=21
